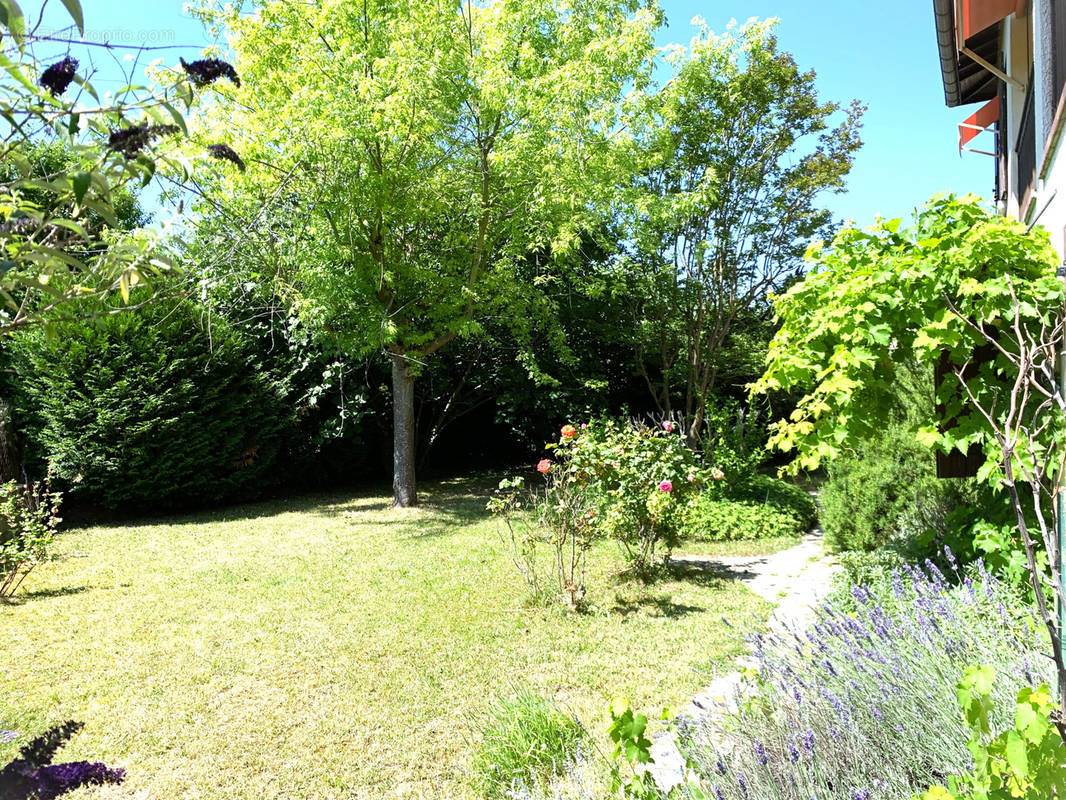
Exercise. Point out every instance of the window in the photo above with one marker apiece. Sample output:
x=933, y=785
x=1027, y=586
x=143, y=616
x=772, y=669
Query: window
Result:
x=1058, y=50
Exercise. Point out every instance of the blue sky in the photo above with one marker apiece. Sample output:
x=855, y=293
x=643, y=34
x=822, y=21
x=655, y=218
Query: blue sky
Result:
x=883, y=54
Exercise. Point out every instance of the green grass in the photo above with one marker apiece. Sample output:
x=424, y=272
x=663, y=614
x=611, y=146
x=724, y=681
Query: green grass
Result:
x=327, y=647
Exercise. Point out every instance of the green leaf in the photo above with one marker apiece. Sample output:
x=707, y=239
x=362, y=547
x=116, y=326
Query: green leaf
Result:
x=1017, y=755
x=74, y=9
x=928, y=435
x=11, y=17
x=81, y=182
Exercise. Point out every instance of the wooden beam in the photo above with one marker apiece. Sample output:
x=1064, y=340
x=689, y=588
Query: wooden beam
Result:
x=1003, y=76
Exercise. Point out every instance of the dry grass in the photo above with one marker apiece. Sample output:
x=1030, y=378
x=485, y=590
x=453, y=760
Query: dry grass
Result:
x=327, y=647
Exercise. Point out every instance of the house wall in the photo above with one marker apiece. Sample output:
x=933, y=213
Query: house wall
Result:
x=1017, y=59
x=1027, y=48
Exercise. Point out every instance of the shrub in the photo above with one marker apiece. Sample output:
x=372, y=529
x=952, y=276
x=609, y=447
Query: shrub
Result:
x=524, y=739
x=858, y=568
x=862, y=704
x=780, y=494
x=733, y=439
x=713, y=519
x=557, y=516
x=29, y=516
x=156, y=406
x=755, y=507
x=888, y=494
x=635, y=480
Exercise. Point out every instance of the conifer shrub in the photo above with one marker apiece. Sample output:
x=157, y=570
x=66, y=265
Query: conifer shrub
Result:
x=158, y=407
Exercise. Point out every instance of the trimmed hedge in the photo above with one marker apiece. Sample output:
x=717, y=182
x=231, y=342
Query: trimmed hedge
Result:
x=760, y=508
x=158, y=407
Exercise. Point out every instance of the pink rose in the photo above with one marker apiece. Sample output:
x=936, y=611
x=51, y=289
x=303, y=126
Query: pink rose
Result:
x=544, y=466
x=668, y=426
x=666, y=486
x=691, y=478
x=568, y=431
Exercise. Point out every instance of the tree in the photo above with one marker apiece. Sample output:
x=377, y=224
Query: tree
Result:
x=738, y=152
x=69, y=160
x=971, y=290
x=430, y=151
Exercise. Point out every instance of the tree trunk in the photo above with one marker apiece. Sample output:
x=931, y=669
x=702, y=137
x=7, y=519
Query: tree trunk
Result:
x=10, y=457
x=403, y=433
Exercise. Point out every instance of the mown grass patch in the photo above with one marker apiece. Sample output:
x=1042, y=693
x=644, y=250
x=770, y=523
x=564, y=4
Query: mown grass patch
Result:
x=326, y=647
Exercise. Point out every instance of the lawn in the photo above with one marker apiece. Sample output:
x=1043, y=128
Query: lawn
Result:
x=327, y=647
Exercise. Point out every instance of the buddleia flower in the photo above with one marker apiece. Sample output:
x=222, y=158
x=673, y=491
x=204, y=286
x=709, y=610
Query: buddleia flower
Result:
x=130, y=141
x=206, y=71
x=226, y=153
x=59, y=75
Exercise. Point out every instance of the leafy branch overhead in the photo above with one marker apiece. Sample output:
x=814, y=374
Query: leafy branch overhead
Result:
x=883, y=296
x=60, y=237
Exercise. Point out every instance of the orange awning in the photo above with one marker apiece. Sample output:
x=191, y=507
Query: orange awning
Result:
x=978, y=121
x=978, y=15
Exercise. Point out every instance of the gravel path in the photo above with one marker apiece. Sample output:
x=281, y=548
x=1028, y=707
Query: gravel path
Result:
x=795, y=580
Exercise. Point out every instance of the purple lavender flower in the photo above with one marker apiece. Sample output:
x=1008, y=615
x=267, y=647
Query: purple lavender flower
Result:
x=718, y=793
x=897, y=584
x=760, y=752
x=951, y=558
x=861, y=794
x=861, y=594
x=808, y=741
x=793, y=753
x=743, y=784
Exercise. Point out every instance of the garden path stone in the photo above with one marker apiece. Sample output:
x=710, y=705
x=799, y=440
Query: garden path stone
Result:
x=795, y=581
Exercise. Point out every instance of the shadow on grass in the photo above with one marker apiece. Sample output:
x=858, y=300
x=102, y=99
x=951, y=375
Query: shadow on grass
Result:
x=706, y=571
x=660, y=605
x=42, y=594
x=443, y=505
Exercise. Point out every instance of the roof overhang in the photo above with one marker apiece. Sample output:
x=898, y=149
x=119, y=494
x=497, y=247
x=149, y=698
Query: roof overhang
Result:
x=965, y=81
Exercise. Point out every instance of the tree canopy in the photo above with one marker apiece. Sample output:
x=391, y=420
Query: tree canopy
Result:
x=433, y=156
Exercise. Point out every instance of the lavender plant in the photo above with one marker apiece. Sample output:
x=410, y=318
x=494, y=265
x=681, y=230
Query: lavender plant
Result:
x=862, y=705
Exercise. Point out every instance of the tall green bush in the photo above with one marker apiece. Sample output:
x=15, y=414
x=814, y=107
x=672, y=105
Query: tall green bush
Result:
x=887, y=494
x=159, y=407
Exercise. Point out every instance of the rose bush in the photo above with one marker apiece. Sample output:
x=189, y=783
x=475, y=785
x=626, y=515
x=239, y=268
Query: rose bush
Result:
x=636, y=479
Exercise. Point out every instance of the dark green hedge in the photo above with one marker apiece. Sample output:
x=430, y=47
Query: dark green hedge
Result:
x=161, y=407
